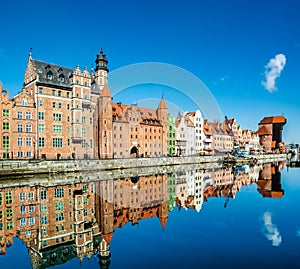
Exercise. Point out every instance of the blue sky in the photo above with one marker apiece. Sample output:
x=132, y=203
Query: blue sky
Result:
x=225, y=43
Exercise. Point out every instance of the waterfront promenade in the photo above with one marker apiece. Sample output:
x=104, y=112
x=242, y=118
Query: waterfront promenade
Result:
x=34, y=167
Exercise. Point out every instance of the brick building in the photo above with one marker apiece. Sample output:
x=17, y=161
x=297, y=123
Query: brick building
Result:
x=270, y=133
x=64, y=113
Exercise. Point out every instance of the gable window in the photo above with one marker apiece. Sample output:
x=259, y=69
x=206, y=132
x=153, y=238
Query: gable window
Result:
x=24, y=102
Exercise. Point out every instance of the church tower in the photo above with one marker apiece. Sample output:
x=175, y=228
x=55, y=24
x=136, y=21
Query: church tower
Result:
x=105, y=143
x=162, y=115
x=101, y=70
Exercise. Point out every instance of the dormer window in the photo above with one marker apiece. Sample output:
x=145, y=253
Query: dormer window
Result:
x=61, y=78
x=49, y=75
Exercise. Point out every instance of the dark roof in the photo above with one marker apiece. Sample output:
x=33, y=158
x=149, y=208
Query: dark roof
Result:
x=95, y=89
x=60, y=75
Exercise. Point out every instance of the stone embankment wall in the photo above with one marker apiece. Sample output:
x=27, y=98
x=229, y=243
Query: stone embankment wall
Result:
x=22, y=168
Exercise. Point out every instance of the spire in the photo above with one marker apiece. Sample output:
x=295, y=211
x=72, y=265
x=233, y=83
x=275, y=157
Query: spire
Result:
x=101, y=61
x=105, y=91
x=162, y=103
x=30, y=54
x=163, y=221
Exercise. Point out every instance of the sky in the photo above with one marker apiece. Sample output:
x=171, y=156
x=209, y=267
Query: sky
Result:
x=246, y=52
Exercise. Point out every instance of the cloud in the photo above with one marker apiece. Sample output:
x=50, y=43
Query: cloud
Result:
x=272, y=71
x=270, y=230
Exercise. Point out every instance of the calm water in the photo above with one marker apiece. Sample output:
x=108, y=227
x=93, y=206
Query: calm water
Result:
x=241, y=217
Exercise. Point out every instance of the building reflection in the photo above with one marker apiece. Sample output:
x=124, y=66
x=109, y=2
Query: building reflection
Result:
x=77, y=220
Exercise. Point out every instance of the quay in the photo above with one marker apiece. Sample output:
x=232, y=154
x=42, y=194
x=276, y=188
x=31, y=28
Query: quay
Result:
x=20, y=168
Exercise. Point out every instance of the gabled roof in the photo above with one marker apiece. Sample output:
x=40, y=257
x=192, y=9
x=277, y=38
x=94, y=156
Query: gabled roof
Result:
x=43, y=69
x=264, y=131
x=274, y=119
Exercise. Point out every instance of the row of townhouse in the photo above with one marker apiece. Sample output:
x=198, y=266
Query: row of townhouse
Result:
x=64, y=113
x=191, y=134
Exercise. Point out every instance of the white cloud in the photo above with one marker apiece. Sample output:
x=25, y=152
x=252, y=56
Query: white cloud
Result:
x=270, y=230
x=272, y=71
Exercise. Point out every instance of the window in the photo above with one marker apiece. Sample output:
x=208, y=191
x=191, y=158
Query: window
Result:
x=53, y=104
x=23, y=222
x=9, y=225
x=68, y=106
x=43, y=194
x=24, y=102
x=5, y=125
x=59, y=93
x=9, y=213
x=83, y=132
x=59, y=105
x=28, y=154
x=83, y=120
x=41, y=115
x=56, y=117
x=5, y=113
x=41, y=142
x=59, y=216
x=19, y=115
x=28, y=115
x=59, y=193
x=44, y=233
x=44, y=220
x=0, y=198
x=8, y=197
x=5, y=142
x=1, y=214
x=31, y=220
x=53, y=92
x=57, y=129
x=40, y=90
x=28, y=142
x=68, y=95
x=41, y=128
x=91, y=120
x=69, y=142
x=31, y=209
x=30, y=196
x=22, y=196
x=62, y=78
x=57, y=142
x=68, y=119
x=41, y=102
x=19, y=128
x=23, y=209
x=43, y=208
x=59, y=206
x=28, y=128
x=20, y=154
x=49, y=75
x=84, y=143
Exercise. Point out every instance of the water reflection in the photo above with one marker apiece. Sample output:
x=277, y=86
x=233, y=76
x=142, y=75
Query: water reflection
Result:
x=61, y=222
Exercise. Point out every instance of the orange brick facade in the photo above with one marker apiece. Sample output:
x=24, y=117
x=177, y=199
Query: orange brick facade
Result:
x=64, y=113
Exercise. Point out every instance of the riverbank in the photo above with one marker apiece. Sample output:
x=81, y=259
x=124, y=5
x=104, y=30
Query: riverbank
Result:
x=34, y=167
